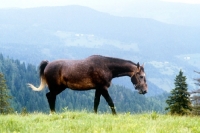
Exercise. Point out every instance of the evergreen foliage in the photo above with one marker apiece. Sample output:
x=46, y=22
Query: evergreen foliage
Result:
x=18, y=74
x=179, y=100
x=5, y=98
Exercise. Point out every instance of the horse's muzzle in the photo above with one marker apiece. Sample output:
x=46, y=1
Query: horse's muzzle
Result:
x=144, y=92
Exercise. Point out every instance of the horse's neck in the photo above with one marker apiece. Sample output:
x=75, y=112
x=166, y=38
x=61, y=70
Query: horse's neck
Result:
x=122, y=68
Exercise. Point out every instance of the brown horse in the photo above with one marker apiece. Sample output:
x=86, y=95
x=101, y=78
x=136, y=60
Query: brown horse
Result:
x=94, y=72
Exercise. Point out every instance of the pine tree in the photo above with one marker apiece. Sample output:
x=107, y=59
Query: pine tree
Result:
x=179, y=100
x=4, y=97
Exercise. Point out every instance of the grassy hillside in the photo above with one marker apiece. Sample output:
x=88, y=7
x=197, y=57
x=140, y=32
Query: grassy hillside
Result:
x=82, y=122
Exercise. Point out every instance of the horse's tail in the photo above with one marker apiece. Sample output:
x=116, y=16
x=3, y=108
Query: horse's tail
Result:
x=43, y=64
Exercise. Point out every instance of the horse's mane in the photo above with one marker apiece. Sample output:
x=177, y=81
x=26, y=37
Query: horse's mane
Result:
x=112, y=59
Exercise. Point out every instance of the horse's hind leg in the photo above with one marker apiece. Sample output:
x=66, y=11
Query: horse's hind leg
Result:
x=109, y=100
x=51, y=97
x=96, y=100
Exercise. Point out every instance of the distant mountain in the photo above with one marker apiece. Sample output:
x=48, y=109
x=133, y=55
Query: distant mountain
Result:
x=75, y=32
x=22, y=25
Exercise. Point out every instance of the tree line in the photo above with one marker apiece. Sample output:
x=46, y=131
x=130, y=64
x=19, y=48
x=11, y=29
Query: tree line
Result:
x=17, y=74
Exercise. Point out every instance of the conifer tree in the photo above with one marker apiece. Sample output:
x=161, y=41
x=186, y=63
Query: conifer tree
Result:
x=4, y=97
x=179, y=100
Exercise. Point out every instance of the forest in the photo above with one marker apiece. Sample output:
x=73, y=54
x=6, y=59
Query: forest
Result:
x=17, y=74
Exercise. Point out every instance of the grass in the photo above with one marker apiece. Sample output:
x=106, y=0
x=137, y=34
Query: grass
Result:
x=84, y=122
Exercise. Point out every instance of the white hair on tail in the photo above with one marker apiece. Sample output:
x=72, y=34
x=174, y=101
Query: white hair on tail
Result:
x=41, y=87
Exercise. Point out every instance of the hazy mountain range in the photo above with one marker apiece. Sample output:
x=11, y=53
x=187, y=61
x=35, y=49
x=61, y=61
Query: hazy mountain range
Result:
x=75, y=32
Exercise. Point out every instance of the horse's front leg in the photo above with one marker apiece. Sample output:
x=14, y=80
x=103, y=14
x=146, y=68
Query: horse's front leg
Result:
x=109, y=100
x=97, y=100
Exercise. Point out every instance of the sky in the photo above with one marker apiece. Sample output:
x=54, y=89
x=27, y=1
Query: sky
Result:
x=183, y=12
x=96, y=4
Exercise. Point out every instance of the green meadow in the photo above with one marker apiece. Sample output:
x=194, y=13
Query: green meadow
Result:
x=85, y=122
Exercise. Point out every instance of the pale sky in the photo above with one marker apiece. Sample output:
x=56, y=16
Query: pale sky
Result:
x=90, y=3
x=169, y=11
x=185, y=1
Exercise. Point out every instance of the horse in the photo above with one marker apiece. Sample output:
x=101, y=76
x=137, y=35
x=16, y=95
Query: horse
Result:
x=93, y=72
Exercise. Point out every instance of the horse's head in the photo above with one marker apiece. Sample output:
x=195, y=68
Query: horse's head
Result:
x=139, y=79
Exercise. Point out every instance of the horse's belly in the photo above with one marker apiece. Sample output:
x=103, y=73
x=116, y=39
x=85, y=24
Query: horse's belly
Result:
x=84, y=84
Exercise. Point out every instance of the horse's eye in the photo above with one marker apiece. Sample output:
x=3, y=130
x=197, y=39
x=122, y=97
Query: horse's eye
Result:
x=141, y=77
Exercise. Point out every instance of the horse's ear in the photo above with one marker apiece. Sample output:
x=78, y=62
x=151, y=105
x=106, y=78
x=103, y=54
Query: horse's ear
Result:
x=143, y=65
x=138, y=65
